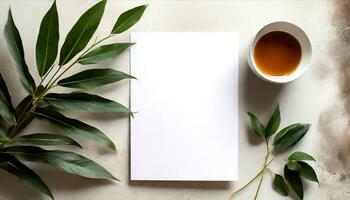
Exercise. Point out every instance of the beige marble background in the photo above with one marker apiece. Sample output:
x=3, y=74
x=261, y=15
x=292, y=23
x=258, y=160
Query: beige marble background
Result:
x=321, y=96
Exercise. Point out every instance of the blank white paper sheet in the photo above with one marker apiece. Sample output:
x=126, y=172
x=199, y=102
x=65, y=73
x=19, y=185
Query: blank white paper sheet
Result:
x=186, y=99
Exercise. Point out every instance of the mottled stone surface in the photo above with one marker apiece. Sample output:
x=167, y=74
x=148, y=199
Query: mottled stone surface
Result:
x=321, y=96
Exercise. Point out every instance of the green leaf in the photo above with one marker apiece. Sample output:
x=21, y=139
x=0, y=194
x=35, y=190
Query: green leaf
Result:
x=93, y=78
x=294, y=182
x=128, y=19
x=258, y=128
x=85, y=102
x=44, y=139
x=103, y=53
x=307, y=172
x=73, y=126
x=3, y=129
x=81, y=33
x=5, y=92
x=282, y=132
x=292, y=165
x=62, y=160
x=40, y=89
x=24, y=173
x=273, y=123
x=281, y=185
x=298, y=155
x=291, y=137
x=22, y=107
x=6, y=108
x=14, y=43
x=47, y=42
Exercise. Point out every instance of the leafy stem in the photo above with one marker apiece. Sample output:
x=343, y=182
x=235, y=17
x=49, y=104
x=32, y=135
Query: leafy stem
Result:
x=22, y=117
x=53, y=80
x=51, y=83
x=295, y=166
x=14, y=150
x=35, y=99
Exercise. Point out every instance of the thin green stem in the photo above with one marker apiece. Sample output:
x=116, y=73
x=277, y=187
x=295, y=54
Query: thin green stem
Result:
x=266, y=165
x=246, y=185
x=47, y=73
x=270, y=161
x=93, y=45
x=259, y=186
x=264, y=168
x=52, y=77
x=260, y=174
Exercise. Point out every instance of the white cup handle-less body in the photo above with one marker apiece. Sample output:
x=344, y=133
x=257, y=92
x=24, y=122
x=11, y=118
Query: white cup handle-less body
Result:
x=306, y=51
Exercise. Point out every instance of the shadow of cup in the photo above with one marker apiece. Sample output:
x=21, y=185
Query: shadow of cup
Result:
x=258, y=95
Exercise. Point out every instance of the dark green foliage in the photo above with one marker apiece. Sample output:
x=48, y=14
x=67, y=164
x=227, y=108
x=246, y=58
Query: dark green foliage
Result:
x=295, y=168
x=41, y=103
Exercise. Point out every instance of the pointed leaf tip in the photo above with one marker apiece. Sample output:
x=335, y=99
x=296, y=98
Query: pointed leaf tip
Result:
x=81, y=33
x=127, y=19
x=257, y=126
x=15, y=46
x=24, y=173
x=93, y=78
x=290, y=136
x=104, y=52
x=47, y=41
x=44, y=139
x=307, y=172
x=73, y=126
x=281, y=185
x=69, y=162
x=84, y=102
x=274, y=122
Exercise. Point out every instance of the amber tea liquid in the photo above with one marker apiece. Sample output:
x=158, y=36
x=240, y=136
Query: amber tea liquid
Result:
x=277, y=53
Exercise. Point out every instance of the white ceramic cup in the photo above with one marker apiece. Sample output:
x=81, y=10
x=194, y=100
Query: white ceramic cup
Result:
x=306, y=51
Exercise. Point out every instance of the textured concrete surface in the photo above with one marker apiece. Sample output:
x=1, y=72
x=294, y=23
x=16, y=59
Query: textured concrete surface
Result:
x=321, y=96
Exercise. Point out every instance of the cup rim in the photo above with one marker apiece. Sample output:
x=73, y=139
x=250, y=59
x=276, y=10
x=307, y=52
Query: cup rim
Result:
x=279, y=79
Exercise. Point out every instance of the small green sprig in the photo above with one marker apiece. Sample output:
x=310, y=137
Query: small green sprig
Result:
x=295, y=166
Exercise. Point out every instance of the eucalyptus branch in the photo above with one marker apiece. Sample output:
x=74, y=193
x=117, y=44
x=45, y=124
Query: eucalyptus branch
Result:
x=15, y=148
x=284, y=139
